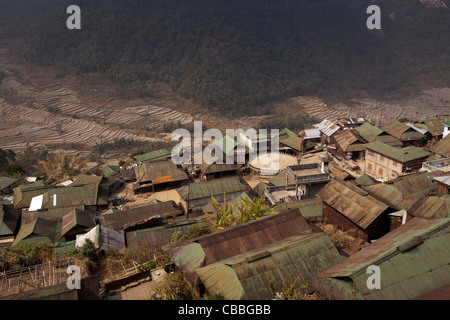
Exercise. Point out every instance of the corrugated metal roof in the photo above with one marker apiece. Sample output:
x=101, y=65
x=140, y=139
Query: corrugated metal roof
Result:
x=443, y=179
x=24, y=193
x=117, y=220
x=108, y=170
x=216, y=167
x=309, y=208
x=206, y=189
x=311, y=134
x=402, y=131
x=327, y=127
x=151, y=171
x=157, y=155
x=403, y=192
x=434, y=208
x=76, y=219
x=365, y=180
x=238, y=239
x=442, y=147
x=248, y=275
x=413, y=259
x=435, y=126
x=402, y=155
x=417, y=128
x=279, y=179
x=9, y=220
x=353, y=202
x=348, y=138
x=39, y=229
x=48, y=214
x=5, y=182
x=161, y=234
x=368, y=132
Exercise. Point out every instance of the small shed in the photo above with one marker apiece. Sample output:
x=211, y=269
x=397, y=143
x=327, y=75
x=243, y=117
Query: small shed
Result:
x=103, y=238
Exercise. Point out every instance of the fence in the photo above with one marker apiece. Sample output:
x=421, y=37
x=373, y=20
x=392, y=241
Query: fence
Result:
x=33, y=277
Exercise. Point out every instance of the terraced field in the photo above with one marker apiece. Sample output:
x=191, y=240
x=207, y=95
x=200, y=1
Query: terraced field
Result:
x=55, y=115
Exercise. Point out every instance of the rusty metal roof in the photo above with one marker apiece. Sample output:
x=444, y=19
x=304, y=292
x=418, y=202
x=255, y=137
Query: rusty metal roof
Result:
x=353, y=202
x=9, y=220
x=349, y=138
x=39, y=230
x=238, y=239
x=434, y=208
x=442, y=147
x=248, y=275
x=413, y=259
x=402, y=131
x=76, y=220
x=157, y=155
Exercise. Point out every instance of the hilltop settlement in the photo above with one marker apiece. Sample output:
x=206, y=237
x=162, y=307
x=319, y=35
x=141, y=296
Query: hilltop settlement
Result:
x=346, y=196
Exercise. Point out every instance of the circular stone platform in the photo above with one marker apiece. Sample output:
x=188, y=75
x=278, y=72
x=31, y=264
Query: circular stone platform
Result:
x=272, y=163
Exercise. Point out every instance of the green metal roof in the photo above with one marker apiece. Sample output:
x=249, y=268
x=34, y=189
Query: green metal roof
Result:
x=368, y=132
x=157, y=155
x=206, y=189
x=309, y=208
x=24, y=193
x=248, y=275
x=38, y=231
x=290, y=139
x=403, y=192
x=5, y=182
x=109, y=170
x=413, y=259
x=226, y=144
x=365, y=180
x=151, y=171
x=279, y=179
x=402, y=155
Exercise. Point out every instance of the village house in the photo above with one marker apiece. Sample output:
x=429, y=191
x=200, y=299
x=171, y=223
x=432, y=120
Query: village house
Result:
x=290, y=142
x=437, y=166
x=403, y=192
x=195, y=195
x=311, y=138
x=153, y=176
x=372, y=133
x=120, y=219
x=442, y=148
x=352, y=209
x=153, y=156
x=349, y=144
x=406, y=134
x=7, y=185
x=216, y=171
x=443, y=185
x=432, y=207
x=271, y=240
x=386, y=162
x=408, y=269
x=327, y=130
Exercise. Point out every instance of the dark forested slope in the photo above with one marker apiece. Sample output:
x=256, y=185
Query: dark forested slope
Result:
x=237, y=55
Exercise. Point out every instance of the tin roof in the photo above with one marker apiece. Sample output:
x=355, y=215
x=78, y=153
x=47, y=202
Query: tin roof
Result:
x=368, y=132
x=353, y=202
x=39, y=230
x=157, y=155
x=248, y=275
x=206, y=189
x=403, y=192
x=327, y=127
x=5, y=182
x=311, y=134
x=413, y=259
x=417, y=128
x=161, y=234
x=402, y=155
x=119, y=219
x=365, y=180
x=442, y=147
x=434, y=208
x=24, y=193
x=9, y=220
x=346, y=139
x=75, y=220
x=435, y=126
x=217, y=167
x=402, y=131
x=153, y=171
x=108, y=170
x=238, y=239
x=443, y=179
x=309, y=208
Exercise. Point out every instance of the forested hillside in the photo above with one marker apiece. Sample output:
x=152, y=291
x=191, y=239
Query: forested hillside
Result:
x=238, y=55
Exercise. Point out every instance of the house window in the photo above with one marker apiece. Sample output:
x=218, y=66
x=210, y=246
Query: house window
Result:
x=370, y=152
x=381, y=158
x=380, y=171
x=369, y=167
